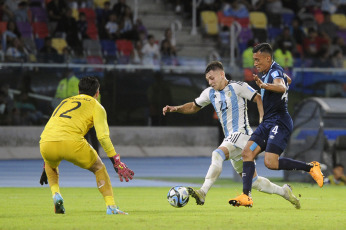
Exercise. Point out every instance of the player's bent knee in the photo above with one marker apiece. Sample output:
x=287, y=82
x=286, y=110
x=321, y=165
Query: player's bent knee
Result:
x=97, y=165
x=271, y=164
x=247, y=155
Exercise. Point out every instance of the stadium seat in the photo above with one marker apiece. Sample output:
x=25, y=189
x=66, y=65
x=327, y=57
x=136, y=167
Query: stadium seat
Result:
x=89, y=13
x=244, y=22
x=75, y=14
x=92, y=31
x=258, y=20
x=92, y=47
x=245, y=35
x=99, y=3
x=273, y=32
x=223, y=20
x=39, y=42
x=287, y=19
x=25, y=29
x=59, y=44
x=3, y=27
x=319, y=18
x=210, y=22
x=339, y=20
x=38, y=14
x=125, y=47
x=108, y=48
x=40, y=29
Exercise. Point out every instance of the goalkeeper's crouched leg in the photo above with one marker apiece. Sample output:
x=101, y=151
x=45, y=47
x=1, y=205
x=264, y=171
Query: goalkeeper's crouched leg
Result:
x=104, y=185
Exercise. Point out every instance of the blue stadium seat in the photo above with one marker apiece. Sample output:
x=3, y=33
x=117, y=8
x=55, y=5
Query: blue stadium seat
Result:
x=287, y=19
x=108, y=48
x=109, y=51
x=273, y=32
x=39, y=43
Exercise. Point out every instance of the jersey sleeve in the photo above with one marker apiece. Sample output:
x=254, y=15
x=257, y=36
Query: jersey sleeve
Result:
x=102, y=129
x=203, y=99
x=277, y=74
x=246, y=91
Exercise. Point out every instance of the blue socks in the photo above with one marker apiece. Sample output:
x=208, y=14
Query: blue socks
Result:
x=290, y=164
x=248, y=171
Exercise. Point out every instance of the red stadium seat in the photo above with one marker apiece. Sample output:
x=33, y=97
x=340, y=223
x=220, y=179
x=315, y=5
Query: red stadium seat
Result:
x=3, y=27
x=223, y=20
x=89, y=13
x=319, y=18
x=125, y=47
x=40, y=29
x=244, y=22
x=92, y=31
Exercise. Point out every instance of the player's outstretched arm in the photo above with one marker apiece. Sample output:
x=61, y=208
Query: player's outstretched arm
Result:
x=188, y=108
x=278, y=85
x=121, y=168
x=259, y=103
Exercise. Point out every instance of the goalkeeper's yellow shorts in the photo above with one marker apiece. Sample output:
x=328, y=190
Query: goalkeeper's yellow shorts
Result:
x=79, y=153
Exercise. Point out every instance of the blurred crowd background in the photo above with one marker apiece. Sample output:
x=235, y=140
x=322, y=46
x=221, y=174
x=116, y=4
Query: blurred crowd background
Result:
x=150, y=53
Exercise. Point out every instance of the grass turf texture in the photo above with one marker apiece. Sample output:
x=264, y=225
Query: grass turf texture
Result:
x=32, y=208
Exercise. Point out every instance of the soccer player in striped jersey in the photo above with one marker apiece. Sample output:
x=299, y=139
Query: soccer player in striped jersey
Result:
x=63, y=139
x=273, y=133
x=229, y=99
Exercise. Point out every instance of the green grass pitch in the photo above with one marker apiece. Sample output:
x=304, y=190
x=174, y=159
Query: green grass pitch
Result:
x=32, y=208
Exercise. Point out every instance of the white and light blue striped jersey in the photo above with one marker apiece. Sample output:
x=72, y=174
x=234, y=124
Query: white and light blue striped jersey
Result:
x=230, y=105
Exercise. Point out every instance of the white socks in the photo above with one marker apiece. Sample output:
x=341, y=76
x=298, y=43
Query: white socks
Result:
x=262, y=184
x=214, y=171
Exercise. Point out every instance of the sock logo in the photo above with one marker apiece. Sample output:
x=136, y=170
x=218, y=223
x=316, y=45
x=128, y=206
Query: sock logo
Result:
x=243, y=174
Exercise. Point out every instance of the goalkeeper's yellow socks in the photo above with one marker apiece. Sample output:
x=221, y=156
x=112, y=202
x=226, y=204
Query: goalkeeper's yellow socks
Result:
x=104, y=185
x=53, y=178
x=55, y=188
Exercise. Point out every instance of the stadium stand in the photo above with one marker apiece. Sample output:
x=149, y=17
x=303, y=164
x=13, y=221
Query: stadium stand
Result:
x=59, y=44
x=339, y=20
x=40, y=29
x=210, y=22
x=258, y=20
x=25, y=29
x=92, y=47
x=38, y=14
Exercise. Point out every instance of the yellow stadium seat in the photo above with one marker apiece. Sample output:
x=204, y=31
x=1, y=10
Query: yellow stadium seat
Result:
x=75, y=14
x=258, y=20
x=99, y=3
x=339, y=20
x=210, y=22
x=59, y=44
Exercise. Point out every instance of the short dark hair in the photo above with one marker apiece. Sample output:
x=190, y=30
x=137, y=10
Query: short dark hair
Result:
x=214, y=65
x=88, y=86
x=263, y=48
x=338, y=165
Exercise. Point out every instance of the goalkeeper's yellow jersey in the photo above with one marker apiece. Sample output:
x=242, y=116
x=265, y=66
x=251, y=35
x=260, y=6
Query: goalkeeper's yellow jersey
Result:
x=73, y=118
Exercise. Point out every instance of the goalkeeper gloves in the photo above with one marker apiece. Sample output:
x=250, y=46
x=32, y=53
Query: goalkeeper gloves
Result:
x=43, y=179
x=123, y=171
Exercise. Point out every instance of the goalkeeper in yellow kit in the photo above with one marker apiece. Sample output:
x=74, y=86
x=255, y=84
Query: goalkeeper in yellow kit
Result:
x=63, y=139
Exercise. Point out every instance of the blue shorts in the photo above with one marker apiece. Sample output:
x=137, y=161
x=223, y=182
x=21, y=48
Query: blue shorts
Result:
x=272, y=135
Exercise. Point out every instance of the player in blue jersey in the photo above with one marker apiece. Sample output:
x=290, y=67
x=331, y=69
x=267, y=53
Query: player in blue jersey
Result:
x=273, y=133
x=229, y=99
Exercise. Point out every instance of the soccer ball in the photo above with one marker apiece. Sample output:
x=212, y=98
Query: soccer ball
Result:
x=178, y=196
